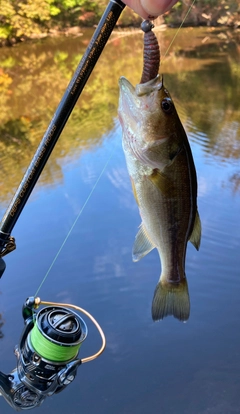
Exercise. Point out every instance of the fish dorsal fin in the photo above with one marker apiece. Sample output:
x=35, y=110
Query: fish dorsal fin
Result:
x=195, y=237
x=142, y=245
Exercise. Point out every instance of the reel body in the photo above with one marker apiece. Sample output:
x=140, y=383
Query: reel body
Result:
x=47, y=354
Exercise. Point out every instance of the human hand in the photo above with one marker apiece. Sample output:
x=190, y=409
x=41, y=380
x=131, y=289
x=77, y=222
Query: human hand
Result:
x=150, y=9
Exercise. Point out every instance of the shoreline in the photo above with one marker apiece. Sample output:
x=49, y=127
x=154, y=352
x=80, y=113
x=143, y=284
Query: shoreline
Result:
x=120, y=30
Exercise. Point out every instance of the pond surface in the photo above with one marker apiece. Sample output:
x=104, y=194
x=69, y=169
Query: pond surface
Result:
x=166, y=367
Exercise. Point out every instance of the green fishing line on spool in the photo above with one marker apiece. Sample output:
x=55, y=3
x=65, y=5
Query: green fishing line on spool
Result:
x=52, y=351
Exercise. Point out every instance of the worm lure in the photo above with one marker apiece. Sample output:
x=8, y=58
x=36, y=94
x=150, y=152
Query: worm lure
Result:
x=151, y=53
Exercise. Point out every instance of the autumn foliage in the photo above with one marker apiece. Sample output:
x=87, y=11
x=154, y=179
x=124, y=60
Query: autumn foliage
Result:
x=21, y=19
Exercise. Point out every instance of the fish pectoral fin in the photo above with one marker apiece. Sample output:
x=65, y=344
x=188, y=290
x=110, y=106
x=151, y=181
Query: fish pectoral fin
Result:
x=134, y=191
x=195, y=237
x=162, y=182
x=142, y=245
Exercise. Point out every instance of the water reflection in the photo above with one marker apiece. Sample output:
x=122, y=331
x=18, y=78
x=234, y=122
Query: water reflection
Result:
x=235, y=182
x=1, y=325
x=34, y=77
x=100, y=247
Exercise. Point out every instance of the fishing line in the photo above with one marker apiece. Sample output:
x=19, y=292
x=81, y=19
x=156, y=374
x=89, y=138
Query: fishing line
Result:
x=52, y=351
x=74, y=224
x=104, y=168
x=174, y=37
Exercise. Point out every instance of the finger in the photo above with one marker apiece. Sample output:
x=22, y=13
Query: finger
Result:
x=156, y=7
x=150, y=8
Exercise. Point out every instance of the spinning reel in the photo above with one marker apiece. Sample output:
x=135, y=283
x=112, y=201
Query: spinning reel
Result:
x=47, y=355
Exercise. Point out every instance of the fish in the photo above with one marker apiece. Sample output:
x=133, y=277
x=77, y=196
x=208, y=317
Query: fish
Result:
x=164, y=182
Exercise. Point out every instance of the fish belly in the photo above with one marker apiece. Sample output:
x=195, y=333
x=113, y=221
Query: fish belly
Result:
x=167, y=215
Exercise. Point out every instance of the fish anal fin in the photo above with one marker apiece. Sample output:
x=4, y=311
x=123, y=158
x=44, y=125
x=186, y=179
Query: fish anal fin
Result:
x=142, y=245
x=162, y=182
x=171, y=299
x=195, y=237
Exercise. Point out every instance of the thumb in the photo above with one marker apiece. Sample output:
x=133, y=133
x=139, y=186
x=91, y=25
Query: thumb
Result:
x=156, y=7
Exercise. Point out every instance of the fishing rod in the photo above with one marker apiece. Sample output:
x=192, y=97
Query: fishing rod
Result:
x=47, y=354
x=59, y=119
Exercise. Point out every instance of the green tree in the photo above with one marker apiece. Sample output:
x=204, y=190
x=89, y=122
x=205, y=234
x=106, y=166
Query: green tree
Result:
x=21, y=19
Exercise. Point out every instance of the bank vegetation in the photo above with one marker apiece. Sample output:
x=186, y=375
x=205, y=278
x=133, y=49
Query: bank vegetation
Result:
x=24, y=19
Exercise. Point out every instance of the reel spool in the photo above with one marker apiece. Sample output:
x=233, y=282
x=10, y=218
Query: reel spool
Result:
x=47, y=355
x=57, y=334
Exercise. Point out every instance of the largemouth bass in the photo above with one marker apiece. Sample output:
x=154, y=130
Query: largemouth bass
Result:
x=163, y=176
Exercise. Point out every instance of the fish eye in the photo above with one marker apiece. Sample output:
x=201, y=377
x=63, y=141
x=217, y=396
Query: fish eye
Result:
x=167, y=105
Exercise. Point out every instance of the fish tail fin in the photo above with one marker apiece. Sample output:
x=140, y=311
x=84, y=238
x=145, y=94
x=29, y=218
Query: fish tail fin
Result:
x=171, y=299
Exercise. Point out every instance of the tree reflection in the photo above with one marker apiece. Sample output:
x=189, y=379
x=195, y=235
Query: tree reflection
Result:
x=235, y=182
x=201, y=74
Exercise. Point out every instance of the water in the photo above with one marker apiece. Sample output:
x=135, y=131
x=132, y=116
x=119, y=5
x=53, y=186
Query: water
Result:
x=166, y=367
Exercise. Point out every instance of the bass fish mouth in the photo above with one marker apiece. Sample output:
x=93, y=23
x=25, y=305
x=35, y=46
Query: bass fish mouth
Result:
x=126, y=100
x=135, y=106
x=146, y=88
x=126, y=88
x=131, y=99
